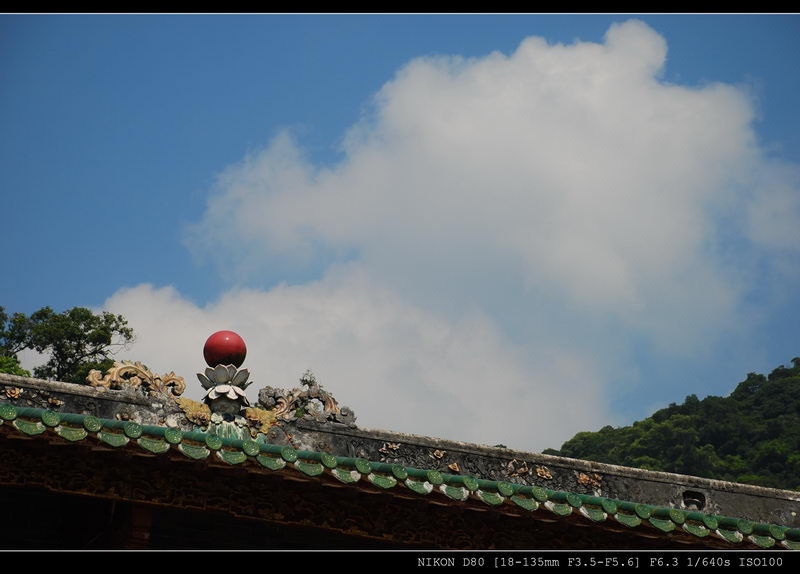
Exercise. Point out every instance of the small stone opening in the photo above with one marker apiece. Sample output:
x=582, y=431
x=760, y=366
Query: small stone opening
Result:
x=694, y=500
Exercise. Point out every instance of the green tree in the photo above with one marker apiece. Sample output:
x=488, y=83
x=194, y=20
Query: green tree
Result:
x=76, y=340
x=10, y=365
x=752, y=435
x=14, y=337
x=14, y=333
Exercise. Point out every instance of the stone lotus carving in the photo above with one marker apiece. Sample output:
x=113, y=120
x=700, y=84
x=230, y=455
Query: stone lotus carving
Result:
x=225, y=386
x=138, y=376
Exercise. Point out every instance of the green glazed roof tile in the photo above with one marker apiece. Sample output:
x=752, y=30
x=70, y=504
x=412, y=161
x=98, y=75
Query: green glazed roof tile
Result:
x=328, y=460
x=762, y=541
x=28, y=427
x=731, y=536
x=470, y=483
x=558, y=508
x=51, y=419
x=288, y=454
x=697, y=529
x=309, y=468
x=346, y=476
x=155, y=446
x=92, y=424
x=384, y=482
x=505, y=488
x=271, y=462
x=173, y=436
x=524, y=502
x=574, y=500
x=132, y=429
x=8, y=412
x=399, y=472
x=630, y=520
x=776, y=532
x=609, y=506
x=213, y=442
x=455, y=492
x=72, y=434
x=677, y=516
x=593, y=514
x=250, y=447
x=540, y=494
x=196, y=452
x=232, y=456
x=491, y=498
x=709, y=520
x=661, y=524
x=112, y=438
x=435, y=477
x=744, y=526
x=157, y=440
x=420, y=487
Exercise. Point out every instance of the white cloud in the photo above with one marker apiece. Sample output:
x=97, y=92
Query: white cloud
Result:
x=573, y=166
x=398, y=367
x=515, y=218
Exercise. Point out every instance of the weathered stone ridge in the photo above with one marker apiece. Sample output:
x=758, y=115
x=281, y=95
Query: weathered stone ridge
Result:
x=318, y=434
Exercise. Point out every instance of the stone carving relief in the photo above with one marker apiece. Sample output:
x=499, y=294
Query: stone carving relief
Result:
x=127, y=374
x=310, y=402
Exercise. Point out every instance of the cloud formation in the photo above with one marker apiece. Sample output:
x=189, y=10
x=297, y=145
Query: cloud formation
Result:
x=500, y=231
x=396, y=366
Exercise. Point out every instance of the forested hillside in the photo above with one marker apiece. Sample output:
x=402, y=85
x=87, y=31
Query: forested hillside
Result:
x=751, y=436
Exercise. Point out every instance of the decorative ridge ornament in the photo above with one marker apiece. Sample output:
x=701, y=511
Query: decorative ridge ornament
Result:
x=224, y=351
x=312, y=402
x=224, y=348
x=225, y=389
x=229, y=407
x=137, y=375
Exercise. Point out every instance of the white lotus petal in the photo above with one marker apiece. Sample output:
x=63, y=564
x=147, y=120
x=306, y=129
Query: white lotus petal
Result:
x=220, y=374
x=231, y=372
x=240, y=377
x=205, y=381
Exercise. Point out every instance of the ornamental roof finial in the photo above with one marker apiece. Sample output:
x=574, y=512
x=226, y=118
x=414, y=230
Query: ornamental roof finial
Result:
x=224, y=352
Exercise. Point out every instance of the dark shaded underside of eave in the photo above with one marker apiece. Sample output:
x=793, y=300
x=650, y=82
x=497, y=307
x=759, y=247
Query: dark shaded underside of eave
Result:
x=310, y=513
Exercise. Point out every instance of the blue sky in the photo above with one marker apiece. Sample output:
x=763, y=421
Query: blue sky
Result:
x=464, y=233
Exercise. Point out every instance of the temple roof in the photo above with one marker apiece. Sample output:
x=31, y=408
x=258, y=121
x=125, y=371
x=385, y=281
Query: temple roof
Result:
x=296, y=458
x=312, y=469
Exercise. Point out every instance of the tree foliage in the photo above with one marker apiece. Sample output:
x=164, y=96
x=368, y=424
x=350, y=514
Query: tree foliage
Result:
x=14, y=333
x=11, y=366
x=751, y=436
x=76, y=340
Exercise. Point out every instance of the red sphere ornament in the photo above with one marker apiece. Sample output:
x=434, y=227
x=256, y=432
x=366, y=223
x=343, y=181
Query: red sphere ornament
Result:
x=225, y=348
